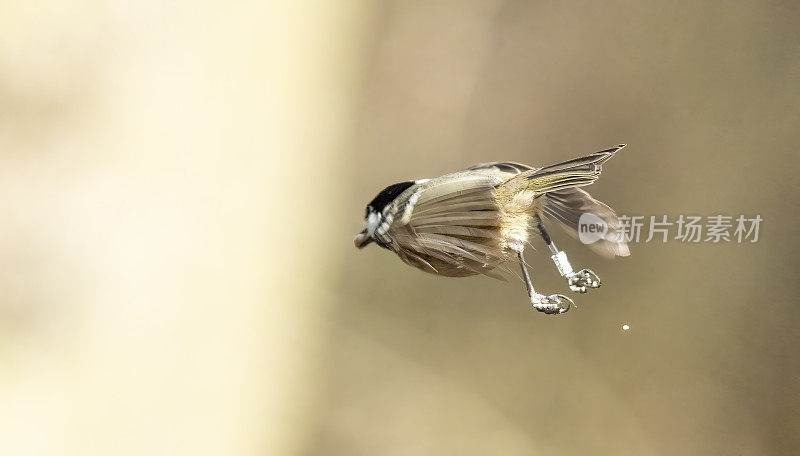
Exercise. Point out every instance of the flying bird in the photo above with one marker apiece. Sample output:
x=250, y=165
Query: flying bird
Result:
x=476, y=220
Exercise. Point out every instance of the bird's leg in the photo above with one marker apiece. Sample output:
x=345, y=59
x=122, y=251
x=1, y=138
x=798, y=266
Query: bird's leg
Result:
x=578, y=281
x=553, y=304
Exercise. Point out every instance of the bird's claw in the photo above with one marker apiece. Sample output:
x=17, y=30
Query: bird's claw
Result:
x=553, y=304
x=583, y=279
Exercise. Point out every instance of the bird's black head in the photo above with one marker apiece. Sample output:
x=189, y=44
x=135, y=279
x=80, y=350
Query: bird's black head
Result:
x=386, y=196
x=373, y=214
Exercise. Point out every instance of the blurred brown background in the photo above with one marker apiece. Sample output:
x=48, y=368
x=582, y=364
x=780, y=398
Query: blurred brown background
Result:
x=180, y=183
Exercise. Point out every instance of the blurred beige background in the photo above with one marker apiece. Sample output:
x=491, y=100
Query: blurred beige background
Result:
x=180, y=183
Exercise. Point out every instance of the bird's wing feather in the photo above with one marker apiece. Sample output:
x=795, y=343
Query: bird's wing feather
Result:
x=451, y=223
x=504, y=167
x=565, y=207
x=569, y=174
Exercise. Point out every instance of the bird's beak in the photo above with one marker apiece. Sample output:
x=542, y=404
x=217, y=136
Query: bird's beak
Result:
x=362, y=239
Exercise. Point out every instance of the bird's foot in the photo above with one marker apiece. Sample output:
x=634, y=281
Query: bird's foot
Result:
x=551, y=305
x=583, y=279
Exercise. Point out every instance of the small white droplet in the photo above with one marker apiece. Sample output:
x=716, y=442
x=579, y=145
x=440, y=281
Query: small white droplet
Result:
x=625, y=327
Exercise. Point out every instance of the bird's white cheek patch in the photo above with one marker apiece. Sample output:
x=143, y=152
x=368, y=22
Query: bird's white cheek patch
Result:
x=373, y=221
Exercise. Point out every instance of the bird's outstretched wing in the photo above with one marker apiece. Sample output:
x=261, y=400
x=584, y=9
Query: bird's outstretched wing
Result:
x=449, y=226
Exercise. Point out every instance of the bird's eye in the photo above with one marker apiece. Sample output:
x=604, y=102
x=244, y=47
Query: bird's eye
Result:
x=366, y=212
